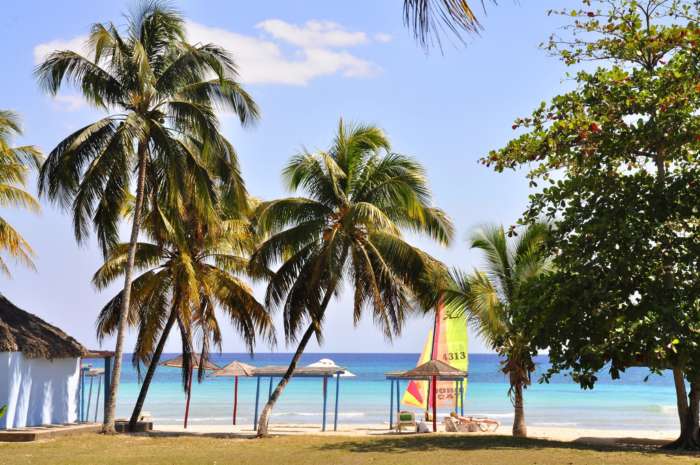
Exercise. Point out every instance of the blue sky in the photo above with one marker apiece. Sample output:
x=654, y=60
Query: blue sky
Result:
x=307, y=63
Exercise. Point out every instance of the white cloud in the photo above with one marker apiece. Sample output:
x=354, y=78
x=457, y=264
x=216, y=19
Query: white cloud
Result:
x=69, y=102
x=318, y=48
x=382, y=37
x=42, y=51
x=263, y=61
x=313, y=34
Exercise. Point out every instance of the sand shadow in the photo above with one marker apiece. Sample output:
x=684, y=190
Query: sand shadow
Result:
x=412, y=443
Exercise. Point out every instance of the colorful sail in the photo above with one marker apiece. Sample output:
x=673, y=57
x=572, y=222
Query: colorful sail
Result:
x=450, y=345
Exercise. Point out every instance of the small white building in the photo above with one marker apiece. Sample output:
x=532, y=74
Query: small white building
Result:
x=39, y=370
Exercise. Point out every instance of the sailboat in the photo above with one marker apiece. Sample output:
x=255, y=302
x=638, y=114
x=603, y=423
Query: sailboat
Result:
x=447, y=341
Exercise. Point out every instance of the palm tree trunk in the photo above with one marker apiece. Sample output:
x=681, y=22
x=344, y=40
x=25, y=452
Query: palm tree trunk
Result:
x=151, y=370
x=108, y=426
x=265, y=415
x=519, y=427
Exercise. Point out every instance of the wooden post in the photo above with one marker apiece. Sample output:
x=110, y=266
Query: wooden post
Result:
x=337, y=391
x=235, y=398
x=434, y=404
x=461, y=396
x=189, y=394
x=325, y=395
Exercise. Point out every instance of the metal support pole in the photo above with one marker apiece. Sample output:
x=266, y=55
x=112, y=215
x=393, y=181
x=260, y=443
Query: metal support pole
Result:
x=391, y=404
x=87, y=413
x=108, y=381
x=325, y=396
x=398, y=398
x=235, y=399
x=456, y=394
x=337, y=391
x=97, y=401
x=81, y=394
x=257, y=398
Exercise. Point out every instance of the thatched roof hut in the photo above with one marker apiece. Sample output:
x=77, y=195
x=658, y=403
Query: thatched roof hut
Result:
x=23, y=332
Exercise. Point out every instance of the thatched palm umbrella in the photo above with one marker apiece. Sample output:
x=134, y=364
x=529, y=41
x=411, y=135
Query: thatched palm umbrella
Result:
x=235, y=369
x=434, y=370
x=177, y=363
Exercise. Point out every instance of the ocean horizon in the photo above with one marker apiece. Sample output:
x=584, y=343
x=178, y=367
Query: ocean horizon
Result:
x=637, y=400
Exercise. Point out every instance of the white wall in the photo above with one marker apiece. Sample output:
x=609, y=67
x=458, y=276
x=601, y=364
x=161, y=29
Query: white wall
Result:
x=38, y=391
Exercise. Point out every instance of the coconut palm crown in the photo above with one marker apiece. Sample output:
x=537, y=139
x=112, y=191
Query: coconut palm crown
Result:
x=491, y=298
x=190, y=268
x=427, y=19
x=15, y=164
x=161, y=93
x=360, y=198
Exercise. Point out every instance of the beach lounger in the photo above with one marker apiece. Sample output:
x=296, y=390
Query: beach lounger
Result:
x=459, y=424
x=405, y=419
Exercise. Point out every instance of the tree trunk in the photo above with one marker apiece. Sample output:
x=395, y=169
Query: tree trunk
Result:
x=519, y=427
x=108, y=426
x=265, y=415
x=151, y=370
x=688, y=414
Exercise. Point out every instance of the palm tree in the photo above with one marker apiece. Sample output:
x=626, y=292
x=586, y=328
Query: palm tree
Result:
x=191, y=267
x=493, y=297
x=15, y=163
x=161, y=93
x=428, y=18
x=349, y=227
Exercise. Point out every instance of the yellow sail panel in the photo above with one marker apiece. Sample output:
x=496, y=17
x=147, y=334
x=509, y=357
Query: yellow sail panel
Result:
x=416, y=393
x=451, y=346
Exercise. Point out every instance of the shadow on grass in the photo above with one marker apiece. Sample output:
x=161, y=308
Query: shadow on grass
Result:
x=415, y=443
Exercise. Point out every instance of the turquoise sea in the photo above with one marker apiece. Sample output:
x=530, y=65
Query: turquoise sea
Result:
x=629, y=403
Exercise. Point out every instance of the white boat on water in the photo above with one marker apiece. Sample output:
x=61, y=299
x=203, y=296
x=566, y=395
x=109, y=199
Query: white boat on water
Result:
x=328, y=363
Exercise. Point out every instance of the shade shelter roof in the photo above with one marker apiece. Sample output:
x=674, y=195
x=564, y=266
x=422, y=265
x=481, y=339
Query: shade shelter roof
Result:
x=302, y=372
x=278, y=371
x=433, y=368
x=177, y=363
x=23, y=332
x=235, y=368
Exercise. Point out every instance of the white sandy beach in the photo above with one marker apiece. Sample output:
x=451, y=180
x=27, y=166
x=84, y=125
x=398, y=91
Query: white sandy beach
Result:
x=589, y=435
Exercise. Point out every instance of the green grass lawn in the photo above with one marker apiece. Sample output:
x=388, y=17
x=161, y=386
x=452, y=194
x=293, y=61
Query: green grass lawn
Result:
x=97, y=449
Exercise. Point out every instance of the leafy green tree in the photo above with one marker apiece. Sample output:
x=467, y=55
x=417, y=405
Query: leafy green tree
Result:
x=360, y=197
x=618, y=159
x=15, y=163
x=191, y=268
x=161, y=93
x=495, y=297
